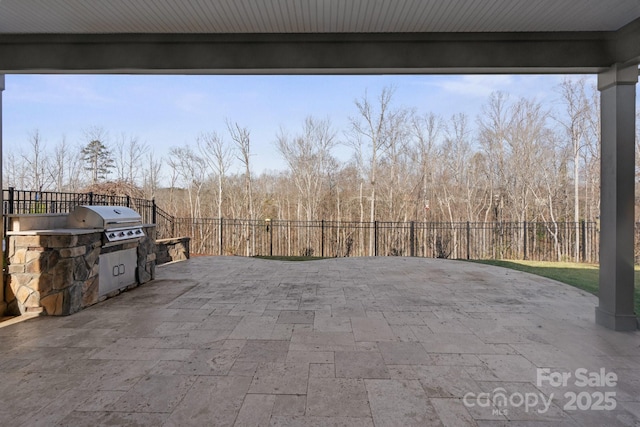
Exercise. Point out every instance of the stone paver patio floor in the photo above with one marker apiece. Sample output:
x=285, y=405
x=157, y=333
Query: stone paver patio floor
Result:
x=343, y=342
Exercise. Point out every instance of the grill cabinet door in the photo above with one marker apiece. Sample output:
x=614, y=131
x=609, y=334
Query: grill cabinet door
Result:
x=117, y=270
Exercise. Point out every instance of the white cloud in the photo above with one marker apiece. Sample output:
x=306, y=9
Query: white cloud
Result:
x=56, y=89
x=475, y=85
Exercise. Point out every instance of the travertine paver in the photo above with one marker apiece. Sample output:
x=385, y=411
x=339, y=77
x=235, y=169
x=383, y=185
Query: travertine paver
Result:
x=154, y=393
x=371, y=329
x=400, y=403
x=296, y=317
x=404, y=353
x=342, y=342
x=337, y=397
x=446, y=381
x=289, y=405
x=280, y=378
x=332, y=324
x=452, y=412
x=360, y=364
x=322, y=370
x=212, y=400
x=256, y=410
x=264, y=351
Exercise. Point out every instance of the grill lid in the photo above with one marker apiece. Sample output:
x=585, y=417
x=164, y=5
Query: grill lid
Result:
x=104, y=217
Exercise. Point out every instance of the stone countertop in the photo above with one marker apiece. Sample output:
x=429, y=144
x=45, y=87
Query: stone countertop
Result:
x=62, y=231
x=55, y=232
x=36, y=215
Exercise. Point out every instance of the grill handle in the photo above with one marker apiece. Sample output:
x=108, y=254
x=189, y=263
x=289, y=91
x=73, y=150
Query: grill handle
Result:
x=124, y=221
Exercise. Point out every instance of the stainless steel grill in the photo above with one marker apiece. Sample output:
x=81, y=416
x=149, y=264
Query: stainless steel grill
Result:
x=119, y=223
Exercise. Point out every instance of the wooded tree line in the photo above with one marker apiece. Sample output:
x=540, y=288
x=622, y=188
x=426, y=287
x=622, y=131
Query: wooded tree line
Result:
x=518, y=160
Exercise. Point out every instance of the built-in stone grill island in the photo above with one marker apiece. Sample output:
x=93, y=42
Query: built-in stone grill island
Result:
x=59, y=264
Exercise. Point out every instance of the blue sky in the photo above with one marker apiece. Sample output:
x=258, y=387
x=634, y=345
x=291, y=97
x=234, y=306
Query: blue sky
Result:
x=166, y=111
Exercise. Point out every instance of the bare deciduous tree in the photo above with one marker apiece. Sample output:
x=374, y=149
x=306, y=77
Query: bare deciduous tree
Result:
x=151, y=175
x=308, y=156
x=14, y=171
x=242, y=138
x=129, y=153
x=426, y=131
x=574, y=124
x=493, y=126
x=190, y=170
x=371, y=126
x=218, y=155
x=36, y=162
x=66, y=171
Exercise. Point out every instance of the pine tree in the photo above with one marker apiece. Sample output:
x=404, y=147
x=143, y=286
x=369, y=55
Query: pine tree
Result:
x=98, y=159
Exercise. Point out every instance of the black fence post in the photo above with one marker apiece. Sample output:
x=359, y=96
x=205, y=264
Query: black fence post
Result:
x=91, y=197
x=271, y=238
x=583, y=240
x=221, y=225
x=468, y=240
x=524, y=230
x=322, y=243
x=375, y=238
x=154, y=211
x=5, y=223
x=412, y=238
x=11, y=200
x=128, y=201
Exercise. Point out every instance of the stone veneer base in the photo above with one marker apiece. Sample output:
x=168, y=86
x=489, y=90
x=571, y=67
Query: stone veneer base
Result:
x=174, y=249
x=57, y=272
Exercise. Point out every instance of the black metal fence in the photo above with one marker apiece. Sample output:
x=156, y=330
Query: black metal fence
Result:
x=43, y=202
x=544, y=241
x=492, y=240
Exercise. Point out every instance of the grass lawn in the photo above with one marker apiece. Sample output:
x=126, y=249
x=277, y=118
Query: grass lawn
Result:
x=291, y=258
x=583, y=276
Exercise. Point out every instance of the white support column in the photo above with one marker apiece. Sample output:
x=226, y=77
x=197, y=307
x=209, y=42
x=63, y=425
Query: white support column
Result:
x=3, y=304
x=617, y=88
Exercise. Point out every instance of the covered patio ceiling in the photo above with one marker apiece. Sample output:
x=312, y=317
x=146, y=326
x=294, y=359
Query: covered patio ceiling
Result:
x=321, y=36
x=320, y=16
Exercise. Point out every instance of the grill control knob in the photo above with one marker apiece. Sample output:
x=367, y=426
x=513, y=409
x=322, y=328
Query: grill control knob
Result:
x=130, y=233
x=121, y=234
x=112, y=234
